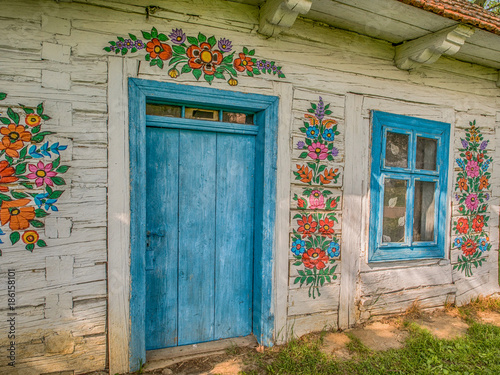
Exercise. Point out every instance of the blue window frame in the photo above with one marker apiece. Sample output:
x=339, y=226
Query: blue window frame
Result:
x=409, y=175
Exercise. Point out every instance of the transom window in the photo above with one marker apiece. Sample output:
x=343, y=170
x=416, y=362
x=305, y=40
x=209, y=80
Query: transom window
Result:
x=408, y=187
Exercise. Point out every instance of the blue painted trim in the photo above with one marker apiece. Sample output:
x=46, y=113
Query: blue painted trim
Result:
x=266, y=120
x=381, y=123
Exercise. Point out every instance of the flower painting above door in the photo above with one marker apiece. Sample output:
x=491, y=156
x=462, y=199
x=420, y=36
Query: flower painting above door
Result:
x=199, y=55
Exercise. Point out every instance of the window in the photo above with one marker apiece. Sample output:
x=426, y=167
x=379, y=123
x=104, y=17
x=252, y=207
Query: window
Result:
x=409, y=175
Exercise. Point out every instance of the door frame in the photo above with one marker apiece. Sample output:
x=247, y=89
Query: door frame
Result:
x=140, y=91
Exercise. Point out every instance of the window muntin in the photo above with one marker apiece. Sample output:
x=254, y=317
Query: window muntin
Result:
x=408, y=187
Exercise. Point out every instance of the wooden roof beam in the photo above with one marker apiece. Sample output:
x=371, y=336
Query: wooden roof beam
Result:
x=430, y=47
x=276, y=15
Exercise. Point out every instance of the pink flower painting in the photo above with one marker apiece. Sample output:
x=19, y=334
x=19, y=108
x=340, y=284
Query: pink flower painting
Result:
x=472, y=169
x=41, y=173
x=318, y=150
x=472, y=202
x=316, y=200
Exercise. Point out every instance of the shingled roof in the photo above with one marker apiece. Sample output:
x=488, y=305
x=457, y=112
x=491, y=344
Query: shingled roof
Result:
x=461, y=11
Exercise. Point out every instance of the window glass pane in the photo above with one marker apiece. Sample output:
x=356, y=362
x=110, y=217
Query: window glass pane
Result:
x=163, y=110
x=396, y=150
x=426, y=153
x=423, y=214
x=393, y=227
x=202, y=114
x=237, y=118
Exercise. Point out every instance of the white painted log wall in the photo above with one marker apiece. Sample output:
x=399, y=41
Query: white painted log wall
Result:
x=52, y=52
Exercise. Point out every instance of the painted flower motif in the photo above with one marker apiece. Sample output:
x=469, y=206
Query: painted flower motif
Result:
x=335, y=151
x=203, y=57
x=458, y=242
x=232, y=82
x=329, y=135
x=484, y=144
x=312, y=132
x=460, y=163
x=15, y=133
x=30, y=236
x=485, y=165
x=316, y=200
x=159, y=50
x=462, y=184
x=472, y=202
x=11, y=147
x=41, y=173
x=173, y=73
x=465, y=144
x=307, y=226
x=468, y=155
x=472, y=169
x=139, y=44
x=320, y=110
x=301, y=203
x=242, y=63
x=462, y=225
x=298, y=247
x=300, y=145
x=478, y=223
x=483, y=245
x=486, y=196
x=225, y=45
x=469, y=247
x=120, y=44
x=14, y=213
x=129, y=44
x=318, y=150
x=32, y=120
x=326, y=227
x=6, y=175
x=480, y=157
x=267, y=65
x=260, y=64
x=177, y=36
x=315, y=258
x=333, y=249
x=483, y=182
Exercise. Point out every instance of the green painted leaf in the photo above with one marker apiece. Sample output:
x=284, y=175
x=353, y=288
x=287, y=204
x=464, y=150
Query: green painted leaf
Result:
x=30, y=247
x=124, y=51
x=228, y=59
x=18, y=195
x=202, y=38
x=249, y=73
x=27, y=185
x=192, y=40
x=2, y=95
x=303, y=155
x=14, y=237
x=45, y=117
x=185, y=69
x=36, y=129
x=120, y=38
x=154, y=32
x=146, y=35
x=219, y=75
x=297, y=279
x=162, y=37
x=4, y=197
x=9, y=159
x=58, y=180
x=179, y=49
x=231, y=70
x=5, y=120
x=252, y=52
x=40, y=213
x=62, y=169
x=133, y=50
x=36, y=224
x=41, y=243
x=13, y=115
x=212, y=41
x=107, y=49
x=56, y=162
x=132, y=36
x=147, y=57
x=21, y=168
x=159, y=62
x=55, y=194
x=245, y=50
x=197, y=73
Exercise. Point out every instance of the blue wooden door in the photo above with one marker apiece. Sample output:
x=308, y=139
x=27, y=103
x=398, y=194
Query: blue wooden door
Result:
x=200, y=236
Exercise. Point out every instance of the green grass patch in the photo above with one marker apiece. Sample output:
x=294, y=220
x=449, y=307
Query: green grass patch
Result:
x=476, y=353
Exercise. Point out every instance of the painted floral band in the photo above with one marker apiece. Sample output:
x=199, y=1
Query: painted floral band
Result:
x=201, y=56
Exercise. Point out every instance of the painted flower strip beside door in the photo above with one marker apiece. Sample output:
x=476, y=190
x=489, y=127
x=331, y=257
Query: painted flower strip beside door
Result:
x=202, y=56
x=472, y=194
x=30, y=172
x=315, y=245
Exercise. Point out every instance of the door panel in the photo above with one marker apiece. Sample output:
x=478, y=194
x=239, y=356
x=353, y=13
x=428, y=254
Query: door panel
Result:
x=200, y=216
x=162, y=237
x=235, y=214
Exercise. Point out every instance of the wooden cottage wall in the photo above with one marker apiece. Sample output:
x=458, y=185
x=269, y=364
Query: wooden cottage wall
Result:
x=52, y=52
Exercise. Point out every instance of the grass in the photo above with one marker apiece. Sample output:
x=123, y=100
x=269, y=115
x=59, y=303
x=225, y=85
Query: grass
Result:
x=476, y=353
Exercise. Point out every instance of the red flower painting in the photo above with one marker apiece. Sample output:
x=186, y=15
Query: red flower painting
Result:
x=315, y=258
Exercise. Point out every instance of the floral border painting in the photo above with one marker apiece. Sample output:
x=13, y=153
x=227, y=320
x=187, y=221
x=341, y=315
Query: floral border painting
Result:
x=472, y=194
x=315, y=246
x=30, y=172
x=199, y=55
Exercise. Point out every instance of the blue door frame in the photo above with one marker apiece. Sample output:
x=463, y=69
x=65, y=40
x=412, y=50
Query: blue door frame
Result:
x=266, y=117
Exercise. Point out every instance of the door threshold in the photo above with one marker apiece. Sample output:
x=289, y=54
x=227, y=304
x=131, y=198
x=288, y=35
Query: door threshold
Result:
x=160, y=358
